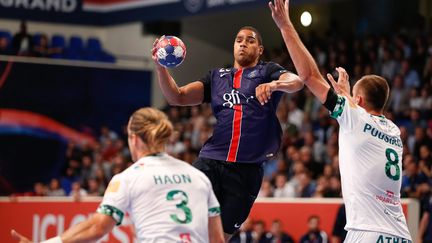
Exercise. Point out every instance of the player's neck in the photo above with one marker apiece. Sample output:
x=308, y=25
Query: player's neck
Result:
x=239, y=66
x=146, y=153
x=375, y=113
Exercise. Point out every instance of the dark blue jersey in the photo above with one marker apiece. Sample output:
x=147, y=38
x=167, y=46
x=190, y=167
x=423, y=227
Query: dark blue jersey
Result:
x=246, y=131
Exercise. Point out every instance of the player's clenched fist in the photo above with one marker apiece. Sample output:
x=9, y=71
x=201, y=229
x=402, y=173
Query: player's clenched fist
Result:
x=263, y=92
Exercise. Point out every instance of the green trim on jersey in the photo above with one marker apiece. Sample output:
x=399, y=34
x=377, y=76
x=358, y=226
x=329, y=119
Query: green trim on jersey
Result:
x=340, y=104
x=111, y=211
x=214, y=211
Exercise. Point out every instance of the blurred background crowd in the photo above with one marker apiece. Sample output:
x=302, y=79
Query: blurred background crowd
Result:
x=390, y=38
x=307, y=165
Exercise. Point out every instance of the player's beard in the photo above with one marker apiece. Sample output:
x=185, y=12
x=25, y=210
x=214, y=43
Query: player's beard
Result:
x=245, y=60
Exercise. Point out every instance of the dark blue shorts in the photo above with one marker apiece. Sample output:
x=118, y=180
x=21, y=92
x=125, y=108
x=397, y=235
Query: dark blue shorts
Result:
x=236, y=186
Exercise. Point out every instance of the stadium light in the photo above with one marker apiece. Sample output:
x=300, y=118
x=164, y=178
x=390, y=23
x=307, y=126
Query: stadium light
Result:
x=306, y=19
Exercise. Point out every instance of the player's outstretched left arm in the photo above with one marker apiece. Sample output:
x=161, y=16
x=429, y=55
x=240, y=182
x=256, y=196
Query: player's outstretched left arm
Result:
x=190, y=94
x=287, y=82
x=88, y=231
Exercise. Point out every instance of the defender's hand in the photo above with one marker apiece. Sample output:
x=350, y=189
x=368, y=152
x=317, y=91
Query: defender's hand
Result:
x=19, y=238
x=280, y=13
x=342, y=86
x=263, y=92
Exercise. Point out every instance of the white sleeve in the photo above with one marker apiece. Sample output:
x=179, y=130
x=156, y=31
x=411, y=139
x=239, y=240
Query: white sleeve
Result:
x=348, y=116
x=116, y=199
x=213, y=203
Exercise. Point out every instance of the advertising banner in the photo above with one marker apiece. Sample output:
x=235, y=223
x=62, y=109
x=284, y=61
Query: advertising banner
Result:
x=42, y=218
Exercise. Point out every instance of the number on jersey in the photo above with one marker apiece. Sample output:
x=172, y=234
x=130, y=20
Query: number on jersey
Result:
x=392, y=162
x=172, y=195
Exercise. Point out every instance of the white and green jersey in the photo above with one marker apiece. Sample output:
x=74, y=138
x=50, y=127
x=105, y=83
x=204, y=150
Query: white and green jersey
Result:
x=370, y=155
x=167, y=199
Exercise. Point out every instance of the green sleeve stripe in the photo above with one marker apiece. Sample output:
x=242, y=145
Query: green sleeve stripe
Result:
x=340, y=104
x=111, y=211
x=214, y=211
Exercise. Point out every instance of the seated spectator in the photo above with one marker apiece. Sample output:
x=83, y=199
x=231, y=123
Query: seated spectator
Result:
x=266, y=189
x=94, y=188
x=259, y=233
x=283, y=189
x=314, y=233
x=40, y=46
x=68, y=179
x=5, y=44
x=276, y=233
x=306, y=187
x=412, y=179
x=39, y=190
x=55, y=189
x=322, y=187
x=77, y=191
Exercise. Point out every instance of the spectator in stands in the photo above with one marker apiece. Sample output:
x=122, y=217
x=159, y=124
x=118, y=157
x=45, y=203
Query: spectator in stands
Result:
x=412, y=179
x=68, y=179
x=410, y=75
x=398, y=96
x=41, y=46
x=276, y=233
x=314, y=233
x=306, y=186
x=266, y=189
x=5, y=45
x=39, y=190
x=55, y=189
x=94, y=188
x=259, y=232
x=283, y=189
x=77, y=191
x=22, y=41
x=86, y=169
x=322, y=187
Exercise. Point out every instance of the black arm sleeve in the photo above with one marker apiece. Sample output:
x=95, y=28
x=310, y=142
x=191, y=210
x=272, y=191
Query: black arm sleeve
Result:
x=274, y=71
x=206, y=80
x=331, y=100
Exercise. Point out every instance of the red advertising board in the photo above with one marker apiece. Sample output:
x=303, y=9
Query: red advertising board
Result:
x=42, y=218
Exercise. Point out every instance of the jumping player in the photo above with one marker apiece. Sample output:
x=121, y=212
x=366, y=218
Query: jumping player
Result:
x=370, y=148
x=167, y=199
x=244, y=100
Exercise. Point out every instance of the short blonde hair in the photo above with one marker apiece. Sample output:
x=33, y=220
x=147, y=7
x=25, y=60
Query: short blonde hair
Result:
x=152, y=126
x=376, y=91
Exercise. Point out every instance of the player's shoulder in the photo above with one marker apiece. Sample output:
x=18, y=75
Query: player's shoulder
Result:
x=394, y=130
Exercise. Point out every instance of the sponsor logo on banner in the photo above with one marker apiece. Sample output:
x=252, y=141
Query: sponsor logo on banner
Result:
x=64, y=6
x=44, y=224
x=193, y=6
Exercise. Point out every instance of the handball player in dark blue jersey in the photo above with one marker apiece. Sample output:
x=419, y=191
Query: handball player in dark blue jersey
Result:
x=244, y=100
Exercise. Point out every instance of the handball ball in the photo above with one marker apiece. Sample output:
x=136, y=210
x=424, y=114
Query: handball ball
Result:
x=170, y=51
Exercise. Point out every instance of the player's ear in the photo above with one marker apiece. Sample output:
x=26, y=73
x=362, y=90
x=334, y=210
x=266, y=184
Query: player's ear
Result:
x=261, y=49
x=359, y=100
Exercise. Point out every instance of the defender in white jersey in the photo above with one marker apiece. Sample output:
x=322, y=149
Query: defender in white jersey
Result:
x=370, y=148
x=167, y=199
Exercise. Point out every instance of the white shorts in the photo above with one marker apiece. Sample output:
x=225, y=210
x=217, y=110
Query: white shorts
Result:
x=357, y=236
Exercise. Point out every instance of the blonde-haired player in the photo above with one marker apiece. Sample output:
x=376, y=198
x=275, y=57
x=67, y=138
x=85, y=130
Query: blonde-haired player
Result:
x=167, y=199
x=370, y=148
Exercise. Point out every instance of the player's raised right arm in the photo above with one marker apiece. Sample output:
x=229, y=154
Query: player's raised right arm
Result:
x=190, y=94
